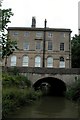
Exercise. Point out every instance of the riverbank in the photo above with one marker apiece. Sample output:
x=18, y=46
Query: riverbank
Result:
x=73, y=93
x=16, y=92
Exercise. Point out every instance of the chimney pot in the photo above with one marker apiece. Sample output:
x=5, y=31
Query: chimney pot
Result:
x=33, y=22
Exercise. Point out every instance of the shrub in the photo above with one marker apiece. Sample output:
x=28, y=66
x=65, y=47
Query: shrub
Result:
x=15, y=80
x=13, y=94
x=14, y=97
x=73, y=92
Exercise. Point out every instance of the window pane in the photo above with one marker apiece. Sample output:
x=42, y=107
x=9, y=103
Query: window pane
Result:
x=62, y=46
x=25, y=61
x=38, y=61
x=39, y=34
x=61, y=59
x=38, y=45
x=26, y=34
x=49, y=62
x=49, y=45
x=62, y=62
x=13, y=61
x=50, y=34
x=25, y=46
x=15, y=33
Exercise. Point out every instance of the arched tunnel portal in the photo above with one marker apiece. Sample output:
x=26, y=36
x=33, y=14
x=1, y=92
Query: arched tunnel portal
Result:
x=50, y=86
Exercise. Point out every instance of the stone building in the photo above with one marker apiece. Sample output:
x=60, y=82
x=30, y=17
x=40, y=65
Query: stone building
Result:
x=40, y=47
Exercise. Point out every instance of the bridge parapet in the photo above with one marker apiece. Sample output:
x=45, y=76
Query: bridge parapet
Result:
x=68, y=76
x=38, y=70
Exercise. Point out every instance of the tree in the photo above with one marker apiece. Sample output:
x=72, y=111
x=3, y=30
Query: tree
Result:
x=8, y=46
x=0, y=2
x=75, y=46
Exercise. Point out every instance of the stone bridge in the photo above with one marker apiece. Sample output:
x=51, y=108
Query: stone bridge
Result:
x=58, y=78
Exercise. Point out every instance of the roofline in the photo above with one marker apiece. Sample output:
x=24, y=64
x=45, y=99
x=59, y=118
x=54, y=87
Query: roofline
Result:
x=39, y=29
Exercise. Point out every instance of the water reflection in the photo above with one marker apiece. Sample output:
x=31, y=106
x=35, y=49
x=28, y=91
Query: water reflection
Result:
x=49, y=107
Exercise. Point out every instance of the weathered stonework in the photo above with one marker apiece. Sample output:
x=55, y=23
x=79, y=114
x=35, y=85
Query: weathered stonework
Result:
x=58, y=36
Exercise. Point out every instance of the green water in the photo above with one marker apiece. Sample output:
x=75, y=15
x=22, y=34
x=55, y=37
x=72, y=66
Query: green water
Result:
x=49, y=107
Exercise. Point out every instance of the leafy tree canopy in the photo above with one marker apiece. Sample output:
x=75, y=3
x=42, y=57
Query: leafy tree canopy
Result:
x=8, y=45
x=75, y=46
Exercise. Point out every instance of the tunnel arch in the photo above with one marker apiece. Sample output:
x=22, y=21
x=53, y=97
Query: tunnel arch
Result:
x=56, y=86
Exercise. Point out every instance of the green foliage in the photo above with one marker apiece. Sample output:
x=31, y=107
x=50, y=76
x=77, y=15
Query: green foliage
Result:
x=1, y=3
x=16, y=92
x=14, y=71
x=6, y=14
x=12, y=98
x=8, y=45
x=15, y=97
x=12, y=80
x=75, y=48
x=73, y=91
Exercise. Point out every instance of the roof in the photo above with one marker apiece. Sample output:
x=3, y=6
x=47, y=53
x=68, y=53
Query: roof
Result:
x=38, y=29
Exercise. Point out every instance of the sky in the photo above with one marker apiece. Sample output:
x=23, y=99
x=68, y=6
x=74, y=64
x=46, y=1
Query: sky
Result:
x=59, y=13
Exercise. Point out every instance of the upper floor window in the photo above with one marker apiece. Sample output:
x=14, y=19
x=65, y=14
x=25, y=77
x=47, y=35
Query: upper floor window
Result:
x=25, y=61
x=64, y=35
x=38, y=61
x=15, y=33
x=25, y=46
x=49, y=45
x=62, y=46
x=62, y=62
x=49, y=62
x=26, y=34
x=13, y=60
x=50, y=34
x=39, y=34
x=38, y=45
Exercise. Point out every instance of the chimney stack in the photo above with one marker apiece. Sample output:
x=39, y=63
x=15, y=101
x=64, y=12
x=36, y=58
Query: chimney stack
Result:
x=33, y=22
x=45, y=23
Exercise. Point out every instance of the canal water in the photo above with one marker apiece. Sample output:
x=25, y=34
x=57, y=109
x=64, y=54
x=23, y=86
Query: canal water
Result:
x=49, y=107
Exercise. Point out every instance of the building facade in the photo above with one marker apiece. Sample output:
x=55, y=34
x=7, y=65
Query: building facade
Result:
x=40, y=47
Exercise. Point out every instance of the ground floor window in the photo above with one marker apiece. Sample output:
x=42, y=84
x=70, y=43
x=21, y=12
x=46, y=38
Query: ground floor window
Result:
x=13, y=60
x=25, y=61
x=49, y=62
x=62, y=63
x=37, y=61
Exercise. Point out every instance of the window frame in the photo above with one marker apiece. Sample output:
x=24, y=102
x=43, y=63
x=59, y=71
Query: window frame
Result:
x=26, y=34
x=50, y=34
x=50, y=46
x=13, y=62
x=61, y=46
x=62, y=62
x=26, y=46
x=15, y=33
x=38, y=45
x=50, y=62
x=37, y=61
x=39, y=34
x=27, y=61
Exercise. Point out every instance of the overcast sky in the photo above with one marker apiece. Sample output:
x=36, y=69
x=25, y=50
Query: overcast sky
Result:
x=59, y=13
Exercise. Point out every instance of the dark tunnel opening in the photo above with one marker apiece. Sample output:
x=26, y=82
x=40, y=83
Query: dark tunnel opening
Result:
x=50, y=86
